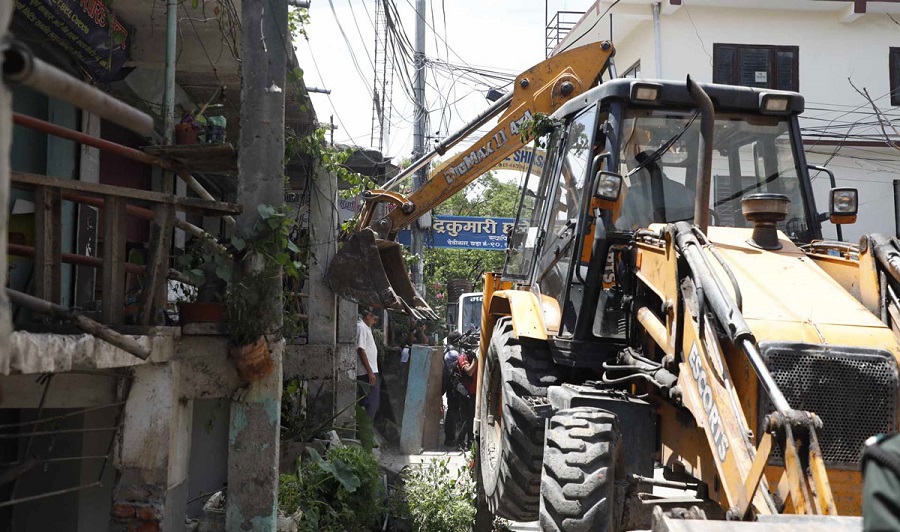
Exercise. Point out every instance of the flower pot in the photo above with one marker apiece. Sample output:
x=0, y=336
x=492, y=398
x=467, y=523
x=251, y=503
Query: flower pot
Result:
x=186, y=134
x=253, y=361
x=200, y=313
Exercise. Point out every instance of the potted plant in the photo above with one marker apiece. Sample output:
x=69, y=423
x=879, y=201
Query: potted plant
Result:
x=209, y=269
x=265, y=253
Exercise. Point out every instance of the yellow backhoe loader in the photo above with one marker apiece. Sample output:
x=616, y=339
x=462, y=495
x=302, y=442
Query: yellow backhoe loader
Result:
x=667, y=301
x=667, y=298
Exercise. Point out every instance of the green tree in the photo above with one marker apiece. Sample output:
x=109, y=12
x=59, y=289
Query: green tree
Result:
x=486, y=196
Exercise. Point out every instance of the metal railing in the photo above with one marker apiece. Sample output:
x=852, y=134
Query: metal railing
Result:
x=559, y=27
x=116, y=203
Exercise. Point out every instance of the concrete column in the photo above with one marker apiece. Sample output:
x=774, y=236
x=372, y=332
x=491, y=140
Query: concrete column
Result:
x=154, y=451
x=345, y=359
x=323, y=225
x=5, y=142
x=253, y=446
x=253, y=452
x=323, y=304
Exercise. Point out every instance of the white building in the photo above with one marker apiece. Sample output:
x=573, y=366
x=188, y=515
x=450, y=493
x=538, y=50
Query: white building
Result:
x=811, y=46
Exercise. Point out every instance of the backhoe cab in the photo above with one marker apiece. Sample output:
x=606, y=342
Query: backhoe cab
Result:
x=663, y=301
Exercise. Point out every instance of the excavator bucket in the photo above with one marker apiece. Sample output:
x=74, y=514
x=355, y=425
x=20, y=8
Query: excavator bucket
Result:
x=371, y=271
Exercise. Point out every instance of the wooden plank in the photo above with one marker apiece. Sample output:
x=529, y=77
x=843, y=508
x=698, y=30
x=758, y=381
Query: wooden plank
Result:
x=113, y=260
x=153, y=299
x=48, y=243
x=85, y=324
x=181, y=204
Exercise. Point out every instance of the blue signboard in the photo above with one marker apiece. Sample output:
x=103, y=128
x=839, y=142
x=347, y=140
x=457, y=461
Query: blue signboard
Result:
x=464, y=232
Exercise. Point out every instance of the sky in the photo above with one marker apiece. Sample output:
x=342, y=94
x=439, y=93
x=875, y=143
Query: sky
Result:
x=500, y=35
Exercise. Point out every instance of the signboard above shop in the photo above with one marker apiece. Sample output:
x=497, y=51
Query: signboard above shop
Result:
x=464, y=232
x=87, y=30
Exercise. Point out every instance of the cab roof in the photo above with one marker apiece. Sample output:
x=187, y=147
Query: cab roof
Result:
x=675, y=94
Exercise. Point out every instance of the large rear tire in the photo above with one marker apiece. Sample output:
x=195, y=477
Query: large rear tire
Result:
x=582, y=464
x=511, y=433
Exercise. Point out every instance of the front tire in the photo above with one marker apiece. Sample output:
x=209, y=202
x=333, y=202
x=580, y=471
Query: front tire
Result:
x=511, y=433
x=582, y=465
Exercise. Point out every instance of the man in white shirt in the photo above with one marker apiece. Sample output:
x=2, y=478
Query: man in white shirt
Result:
x=367, y=371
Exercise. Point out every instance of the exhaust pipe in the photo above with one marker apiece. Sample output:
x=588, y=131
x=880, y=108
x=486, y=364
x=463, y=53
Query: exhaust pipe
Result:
x=704, y=161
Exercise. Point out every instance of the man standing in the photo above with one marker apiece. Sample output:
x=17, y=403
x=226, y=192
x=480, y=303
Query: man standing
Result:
x=367, y=372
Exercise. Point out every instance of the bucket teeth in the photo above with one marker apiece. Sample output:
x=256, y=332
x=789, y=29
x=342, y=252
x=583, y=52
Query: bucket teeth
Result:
x=372, y=272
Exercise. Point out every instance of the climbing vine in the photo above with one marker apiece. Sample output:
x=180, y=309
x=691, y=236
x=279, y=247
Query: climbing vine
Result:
x=333, y=160
x=536, y=127
x=298, y=19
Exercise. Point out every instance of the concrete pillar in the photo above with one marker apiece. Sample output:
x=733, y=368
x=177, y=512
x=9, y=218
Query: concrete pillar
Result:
x=5, y=142
x=253, y=446
x=253, y=452
x=323, y=304
x=323, y=226
x=151, y=490
x=345, y=360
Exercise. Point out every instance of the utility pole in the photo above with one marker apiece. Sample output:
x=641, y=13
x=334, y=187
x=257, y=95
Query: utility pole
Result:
x=418, y=237
x=255, y=420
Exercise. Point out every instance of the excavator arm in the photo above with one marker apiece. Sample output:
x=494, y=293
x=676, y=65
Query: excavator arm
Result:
x=369, y=268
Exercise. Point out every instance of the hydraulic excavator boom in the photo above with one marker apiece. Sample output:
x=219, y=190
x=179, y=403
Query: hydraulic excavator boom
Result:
x=369, y=268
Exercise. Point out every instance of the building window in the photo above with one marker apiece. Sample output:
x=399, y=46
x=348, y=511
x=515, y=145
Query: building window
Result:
x=894, y=66
x=750, y=65
x=634, y=71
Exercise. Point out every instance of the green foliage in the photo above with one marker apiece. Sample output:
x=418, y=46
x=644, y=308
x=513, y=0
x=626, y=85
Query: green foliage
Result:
x=536, y=127
x=268, y=255
x=364, y=428
x=339, y=492
x=294, y=414
x=298, y=19
x=248, y=305
x=331, y=159
x=436, y=499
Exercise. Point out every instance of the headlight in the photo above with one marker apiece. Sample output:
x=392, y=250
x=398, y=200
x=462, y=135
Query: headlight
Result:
x=772, y=103
x=844, y=201
x=609, y=186
x=645, y=92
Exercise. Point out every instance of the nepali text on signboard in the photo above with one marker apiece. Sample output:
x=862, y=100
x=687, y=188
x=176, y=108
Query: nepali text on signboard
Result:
x=465, y=232
x=87, y=31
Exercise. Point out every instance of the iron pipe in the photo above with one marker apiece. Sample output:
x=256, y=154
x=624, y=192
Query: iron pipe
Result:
x=19, y=250
x=655, y=328
x=147, y=214
x=82, y=138
x=112, y=147
x=704, y=161
x=20, y=66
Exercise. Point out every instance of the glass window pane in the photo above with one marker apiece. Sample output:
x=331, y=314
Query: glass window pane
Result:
x=723, y=56
x=525, y=232
x=753, y=64
x=784, y=66
x=750, y=154
x=565, y=209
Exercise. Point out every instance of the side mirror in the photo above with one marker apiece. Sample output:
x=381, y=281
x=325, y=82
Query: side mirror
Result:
x=843, y=206
x=609, y=186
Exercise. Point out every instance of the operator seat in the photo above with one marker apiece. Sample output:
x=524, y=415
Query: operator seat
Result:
x=653, y=197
